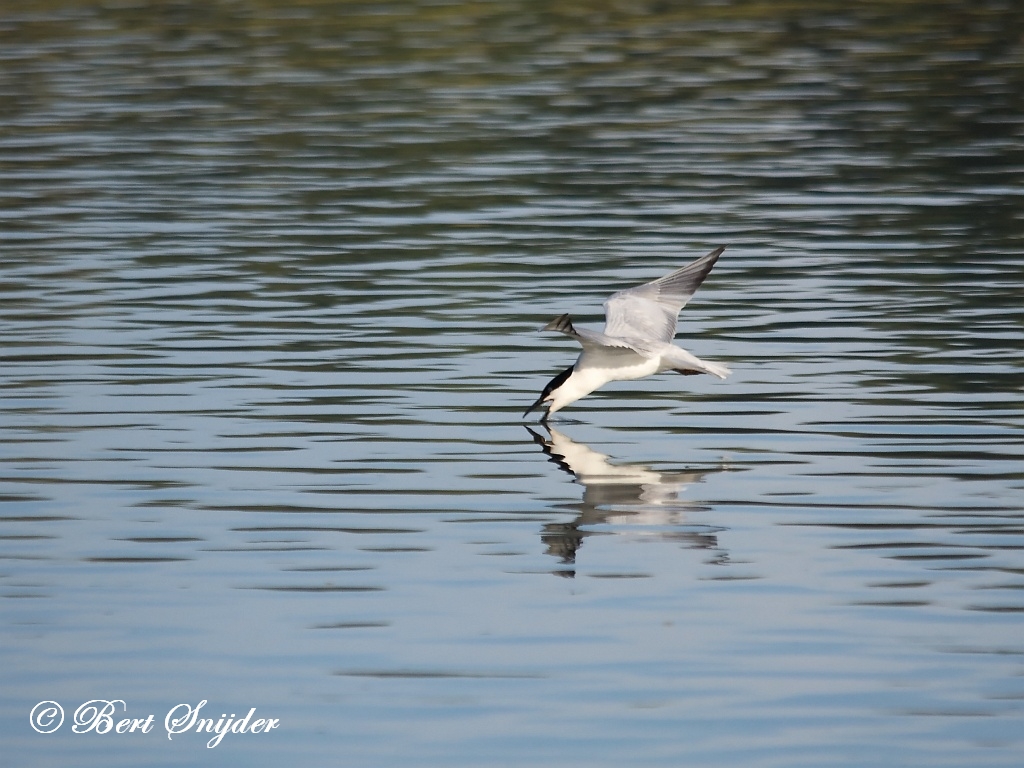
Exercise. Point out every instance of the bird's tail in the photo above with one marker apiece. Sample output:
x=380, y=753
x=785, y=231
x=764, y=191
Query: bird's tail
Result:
x=687, y=363
x=715, y=369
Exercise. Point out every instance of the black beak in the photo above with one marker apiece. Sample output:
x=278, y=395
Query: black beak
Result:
x=540, y=401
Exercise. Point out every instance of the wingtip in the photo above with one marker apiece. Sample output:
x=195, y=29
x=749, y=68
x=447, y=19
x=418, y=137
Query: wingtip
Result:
x=562, y=324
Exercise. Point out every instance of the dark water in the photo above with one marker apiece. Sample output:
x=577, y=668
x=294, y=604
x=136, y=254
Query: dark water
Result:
x=271, y=282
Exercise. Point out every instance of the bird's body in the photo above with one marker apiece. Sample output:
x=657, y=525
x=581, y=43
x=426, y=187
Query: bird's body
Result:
x=640, y=324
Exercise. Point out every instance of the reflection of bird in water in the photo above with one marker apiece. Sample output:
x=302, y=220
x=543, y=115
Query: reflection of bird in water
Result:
x=620, y=494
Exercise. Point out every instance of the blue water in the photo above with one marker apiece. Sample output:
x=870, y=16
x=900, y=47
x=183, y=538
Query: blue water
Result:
x=271, y=281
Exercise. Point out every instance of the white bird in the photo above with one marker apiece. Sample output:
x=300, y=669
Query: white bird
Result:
x=640, y=324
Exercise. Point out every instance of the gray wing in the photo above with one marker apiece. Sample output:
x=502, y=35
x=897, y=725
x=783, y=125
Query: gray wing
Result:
x=650, y=311
x=594, y=341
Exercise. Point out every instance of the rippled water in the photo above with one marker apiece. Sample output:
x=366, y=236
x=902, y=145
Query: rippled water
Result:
x=270, y=291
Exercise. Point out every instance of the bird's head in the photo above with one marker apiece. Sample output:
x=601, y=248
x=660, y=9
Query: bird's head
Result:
x=549, y=390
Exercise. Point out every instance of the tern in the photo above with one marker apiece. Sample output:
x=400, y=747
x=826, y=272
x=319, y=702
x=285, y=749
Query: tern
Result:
x=640, y=324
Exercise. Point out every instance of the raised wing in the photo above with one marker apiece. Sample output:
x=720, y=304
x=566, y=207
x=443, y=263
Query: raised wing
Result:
x=650, y=311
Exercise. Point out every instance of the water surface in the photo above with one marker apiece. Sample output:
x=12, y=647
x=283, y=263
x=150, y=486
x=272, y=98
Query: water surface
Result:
x=270, y=290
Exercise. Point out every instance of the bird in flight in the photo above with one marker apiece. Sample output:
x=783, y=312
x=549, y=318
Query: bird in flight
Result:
x=640, y=324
